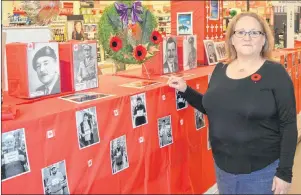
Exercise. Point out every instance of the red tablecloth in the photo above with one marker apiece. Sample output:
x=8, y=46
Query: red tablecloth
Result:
x=185, y=166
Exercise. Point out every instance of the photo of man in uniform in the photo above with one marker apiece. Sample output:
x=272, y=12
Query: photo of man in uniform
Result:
x=191, y=54
x=139, y=113
x=119, y=157
x=87, y=70
x=210, y=52
x=14, y=156
x=46, y=65
x=165, y=135
x=171, y=56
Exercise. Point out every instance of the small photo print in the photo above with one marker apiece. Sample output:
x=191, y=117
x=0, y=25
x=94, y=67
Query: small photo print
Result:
x=220, y=50
x=55, y=179
x=180, y=101
x=85, y=66
x=170, y=55
x=14, y=156
x=138, y=108
x=87, y=127
x=43, y=69
x=208, y=140
x=199, y=119
x=214, y=10
x=165, y=131
x=190, y=52
x=140, y=84
x=80, y=98
x=210, y=52
x=184, y=23
x=119, y=155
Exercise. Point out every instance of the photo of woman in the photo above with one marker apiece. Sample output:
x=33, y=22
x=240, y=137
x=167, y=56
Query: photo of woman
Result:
x=78, y=31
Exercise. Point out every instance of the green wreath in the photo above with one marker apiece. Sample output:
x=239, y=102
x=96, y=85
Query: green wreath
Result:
x=110, y=24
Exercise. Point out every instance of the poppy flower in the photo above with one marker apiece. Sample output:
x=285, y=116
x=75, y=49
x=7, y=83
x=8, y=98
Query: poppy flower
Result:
x=140, y=53
x=115, y=43
x=256, y=77
x=156, y=37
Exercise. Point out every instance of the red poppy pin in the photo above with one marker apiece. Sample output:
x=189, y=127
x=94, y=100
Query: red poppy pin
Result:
x=115, y=43
x=140, y=53
x=256, y=77
x=156, y=37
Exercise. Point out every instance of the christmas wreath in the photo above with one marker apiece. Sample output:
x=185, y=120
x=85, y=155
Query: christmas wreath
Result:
x=127, y=32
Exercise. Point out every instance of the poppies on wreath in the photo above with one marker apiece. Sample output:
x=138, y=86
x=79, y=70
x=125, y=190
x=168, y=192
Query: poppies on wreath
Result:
x=115, y=43
x=156, y=37
x=140, y=52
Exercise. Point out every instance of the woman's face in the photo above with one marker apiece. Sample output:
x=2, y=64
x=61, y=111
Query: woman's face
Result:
x=248, y=44
x=78, y=26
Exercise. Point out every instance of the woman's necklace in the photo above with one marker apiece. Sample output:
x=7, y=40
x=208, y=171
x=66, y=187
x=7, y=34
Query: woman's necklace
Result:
x=241, y=70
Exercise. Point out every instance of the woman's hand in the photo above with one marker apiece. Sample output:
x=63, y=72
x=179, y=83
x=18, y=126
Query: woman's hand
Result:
x=178, y=83
x=280, y=186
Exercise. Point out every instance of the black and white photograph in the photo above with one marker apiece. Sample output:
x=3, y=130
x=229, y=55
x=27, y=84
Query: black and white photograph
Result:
x=140, y=84
x=190, y=52
x=87, y=127
x=210, y=52
x=55, y=179
x=199, y=119
x=184, y=23
x=170, y=55
x=165, y=131
x=43, y=69
x=138, y=108
x=220, y=49
x=80, y=98
x=119, y=155
x=180, y=101
x=85, y=66
x=14, y=156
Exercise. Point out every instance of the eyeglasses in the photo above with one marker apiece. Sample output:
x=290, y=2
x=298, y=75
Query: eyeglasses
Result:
x=252, y=33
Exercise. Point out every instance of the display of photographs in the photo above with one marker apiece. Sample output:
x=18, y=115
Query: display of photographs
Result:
x=76, y=30
x=190, y=52
x=165, y=131
x=199, y=119
x=14, y=156
x=80, y=98
x=55, y=179
x=119, y=155
x=214, y=10
x=210, y=52
x=181, y=102
x=140, y=84
x=220, y=50
x=184, y=23
x=180, y=74
x=85, y=72
x=43, y=69
x=170, y=55
x=138, y=109
x=87, y=127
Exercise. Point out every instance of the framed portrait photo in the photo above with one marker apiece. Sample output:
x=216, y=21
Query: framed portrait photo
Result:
x=190, y=52
x=210, y=52
x=170, y=55
x=184, y=23
x=220, y=50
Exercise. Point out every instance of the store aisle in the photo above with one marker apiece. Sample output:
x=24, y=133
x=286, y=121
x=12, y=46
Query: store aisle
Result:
x=296, y=187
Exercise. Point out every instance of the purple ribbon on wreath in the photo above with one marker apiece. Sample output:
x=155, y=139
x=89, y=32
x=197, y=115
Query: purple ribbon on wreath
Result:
x=136, y=9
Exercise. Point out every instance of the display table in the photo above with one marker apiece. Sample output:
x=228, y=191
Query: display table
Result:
x=184, y=166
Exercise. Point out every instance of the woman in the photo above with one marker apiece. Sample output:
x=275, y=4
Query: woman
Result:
x=78, y=32
x=250, y=104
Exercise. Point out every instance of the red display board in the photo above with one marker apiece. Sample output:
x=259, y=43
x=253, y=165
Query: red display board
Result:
x=183, y=166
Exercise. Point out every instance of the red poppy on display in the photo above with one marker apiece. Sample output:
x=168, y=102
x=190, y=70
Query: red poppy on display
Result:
x=140, y=53
x=256, y=77
x=115, y=43
x=156, y=37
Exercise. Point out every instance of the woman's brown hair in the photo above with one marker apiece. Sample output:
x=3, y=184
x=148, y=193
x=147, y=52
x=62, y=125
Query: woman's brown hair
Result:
x=269, y=38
